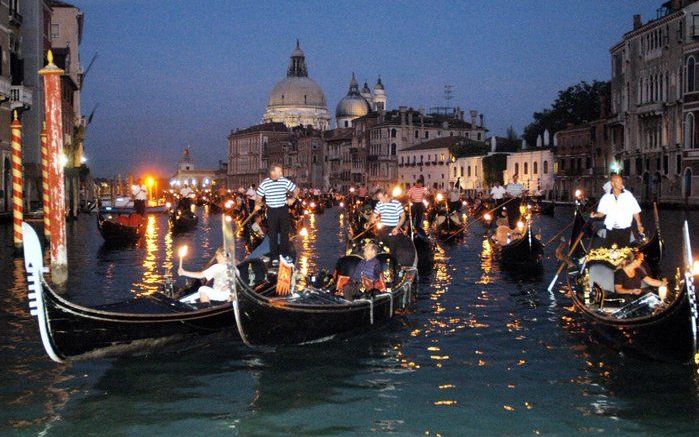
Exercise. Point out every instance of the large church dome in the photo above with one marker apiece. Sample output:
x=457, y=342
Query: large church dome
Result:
x=297, y=99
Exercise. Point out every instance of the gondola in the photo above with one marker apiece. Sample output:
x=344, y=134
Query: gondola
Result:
x=662, y=330
x=183, y=219
x=121, y=228
x=72, y=332
x=446, y=229
x=524, y=252
x=316, y=313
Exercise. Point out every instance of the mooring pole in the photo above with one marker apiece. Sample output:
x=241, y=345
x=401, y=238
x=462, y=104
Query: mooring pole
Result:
x=17, y=182
x=56, y=163
x=45, y=184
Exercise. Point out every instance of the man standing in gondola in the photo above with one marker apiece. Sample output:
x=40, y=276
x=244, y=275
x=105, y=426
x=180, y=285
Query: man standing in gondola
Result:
x=619, y=208
x=416, y=196
x=388, y=216
x=140, y=195
x=275, y=190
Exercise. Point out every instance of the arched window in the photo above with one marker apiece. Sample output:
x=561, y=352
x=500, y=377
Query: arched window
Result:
x=689, y=131
x=393, y=133
x=526, y=168
x=535, y=170
x=546, y=167
x=690, y=73
x=417, y=134
x=393, y=149
x=688, y=182
x=516, y=168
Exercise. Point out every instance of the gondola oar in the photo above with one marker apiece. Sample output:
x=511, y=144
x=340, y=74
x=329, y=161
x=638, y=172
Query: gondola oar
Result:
x=467, y=225
x=364, y=231
x=563, y=264
x=550, y=240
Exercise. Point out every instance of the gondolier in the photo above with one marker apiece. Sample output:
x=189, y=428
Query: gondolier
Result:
x=275, y=190
x=619, y=209
x=389, y=215
x=140, y=194
x=417, y=194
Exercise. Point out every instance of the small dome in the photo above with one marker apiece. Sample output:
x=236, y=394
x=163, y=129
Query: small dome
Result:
x=379, y=85
x=352, y=106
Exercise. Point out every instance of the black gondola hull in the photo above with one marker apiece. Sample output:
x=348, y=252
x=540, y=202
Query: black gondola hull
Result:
x=524, y=252
x=117, y=233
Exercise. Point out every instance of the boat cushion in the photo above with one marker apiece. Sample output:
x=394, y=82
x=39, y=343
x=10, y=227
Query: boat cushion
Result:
x=603, y=276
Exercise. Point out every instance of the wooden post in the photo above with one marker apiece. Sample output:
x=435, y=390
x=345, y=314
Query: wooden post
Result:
x=17, y=182
x=56, y=163
x=45, y=183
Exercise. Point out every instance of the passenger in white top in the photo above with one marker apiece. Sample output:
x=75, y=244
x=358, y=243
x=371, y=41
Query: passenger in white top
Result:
x=619, y=209
x=186, y=191
x=498, y=191
x=514, y=188
x=218, y=272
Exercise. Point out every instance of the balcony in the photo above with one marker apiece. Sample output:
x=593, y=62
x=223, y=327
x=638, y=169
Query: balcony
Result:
x=20, y=96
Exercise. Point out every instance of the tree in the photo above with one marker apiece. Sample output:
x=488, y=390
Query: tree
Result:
x=576, y=104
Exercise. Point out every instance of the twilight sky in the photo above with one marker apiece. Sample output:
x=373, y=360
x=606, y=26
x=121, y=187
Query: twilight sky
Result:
x=174, y=72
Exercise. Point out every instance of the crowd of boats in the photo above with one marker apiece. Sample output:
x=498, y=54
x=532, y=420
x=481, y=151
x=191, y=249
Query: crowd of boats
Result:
x=271, y=305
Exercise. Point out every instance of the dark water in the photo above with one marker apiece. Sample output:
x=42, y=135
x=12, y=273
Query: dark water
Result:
x=481, y=353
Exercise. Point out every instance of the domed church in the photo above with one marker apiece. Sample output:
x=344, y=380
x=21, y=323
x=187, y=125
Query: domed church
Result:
x=297, y=99
x=359, y=103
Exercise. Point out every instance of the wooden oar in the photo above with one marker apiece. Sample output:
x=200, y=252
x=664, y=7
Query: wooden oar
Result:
x=363, y=232
x=559, y=233
x=563, y=264
x=467, y=225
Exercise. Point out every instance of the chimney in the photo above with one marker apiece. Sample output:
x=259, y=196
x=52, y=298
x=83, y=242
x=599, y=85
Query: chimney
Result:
x=457, y=112
x=474, y=114
x=410, y=117
x=481, y=125
x=637, y=21
x=402, y=110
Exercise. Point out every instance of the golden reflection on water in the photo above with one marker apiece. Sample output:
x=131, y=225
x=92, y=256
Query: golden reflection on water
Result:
x=150, y=279
x=486, y=263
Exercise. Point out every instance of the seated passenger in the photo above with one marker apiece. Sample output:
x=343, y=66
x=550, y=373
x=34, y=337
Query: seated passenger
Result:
x=632, y=276
x=256, y=228
x=217, y=272
x=368, y=271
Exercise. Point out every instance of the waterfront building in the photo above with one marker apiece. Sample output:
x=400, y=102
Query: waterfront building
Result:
x=655, y=102
x=337, y=144
x=297, y=100
x=248, y=154
x=187, y=173
x=533, y=167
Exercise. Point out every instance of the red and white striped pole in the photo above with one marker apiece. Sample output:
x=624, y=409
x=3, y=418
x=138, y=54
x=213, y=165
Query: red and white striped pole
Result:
x=45, y=183
x=17, y=182
x=56, y=162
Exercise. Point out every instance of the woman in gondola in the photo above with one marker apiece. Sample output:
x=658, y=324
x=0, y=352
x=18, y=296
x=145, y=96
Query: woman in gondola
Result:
x=632, y=278
x=219, y=291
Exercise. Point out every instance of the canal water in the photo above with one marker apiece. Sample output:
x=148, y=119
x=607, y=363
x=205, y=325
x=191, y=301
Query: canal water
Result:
x=480, y=353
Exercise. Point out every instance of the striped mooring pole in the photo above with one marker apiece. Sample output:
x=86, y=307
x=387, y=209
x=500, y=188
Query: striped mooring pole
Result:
x=56, y=163
x=17, y=181
x=45, y=183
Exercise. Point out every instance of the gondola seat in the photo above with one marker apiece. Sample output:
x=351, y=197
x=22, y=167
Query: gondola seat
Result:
x=602, y=280
x=253, y=272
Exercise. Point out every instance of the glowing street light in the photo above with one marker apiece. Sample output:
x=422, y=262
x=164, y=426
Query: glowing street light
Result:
x=397, y=191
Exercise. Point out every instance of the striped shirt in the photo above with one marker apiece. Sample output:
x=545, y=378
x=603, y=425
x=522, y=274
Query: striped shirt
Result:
x=275, y=192
x=417, y=194
x=390, y=212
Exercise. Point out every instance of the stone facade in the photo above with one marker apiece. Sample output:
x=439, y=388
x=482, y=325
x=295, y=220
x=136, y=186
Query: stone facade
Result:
x=248, y=152
x=655, y=102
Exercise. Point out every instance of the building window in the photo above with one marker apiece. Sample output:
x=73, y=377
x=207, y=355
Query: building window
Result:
x=546, y=167
x=469, y=171
x=678, y=163
x=393, y=133
x=462, y=171
x=690, y=73
x=535, y=170
x=417, y=134
x=526, y=168
x=393, y=149
x=689, y=131
x=55, y=31
x=688, y=182
x=516, y=168
x=427, y=134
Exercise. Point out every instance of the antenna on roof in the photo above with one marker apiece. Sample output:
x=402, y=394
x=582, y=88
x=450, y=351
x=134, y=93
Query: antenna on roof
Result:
x=448, y=93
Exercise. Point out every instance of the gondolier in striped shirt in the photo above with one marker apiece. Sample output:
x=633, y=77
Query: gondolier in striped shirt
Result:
x=275, y=190
x=388, y=216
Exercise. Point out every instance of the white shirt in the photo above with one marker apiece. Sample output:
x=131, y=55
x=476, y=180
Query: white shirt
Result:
x=515, y=189
x=618, y=211
x=139, y=192
x=250, y=193
x=219, y=275
x=498, y=192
